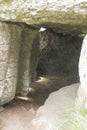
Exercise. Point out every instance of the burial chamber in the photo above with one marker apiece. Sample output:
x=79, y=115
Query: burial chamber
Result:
x=28, y=53
x=40, y=46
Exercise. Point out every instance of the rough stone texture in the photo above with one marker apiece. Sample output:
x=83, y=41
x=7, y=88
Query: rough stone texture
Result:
x=28, y=59
x=19, y=49
x=62, y=15
x=9, y=55
x=56, y=110
x=82, y=93
x=59, y=55
x=83, y=65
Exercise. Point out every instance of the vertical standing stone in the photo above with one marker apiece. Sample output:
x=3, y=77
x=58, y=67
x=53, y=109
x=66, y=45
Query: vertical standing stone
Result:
x=10, y=35
x=28, y=59
x=82, y=93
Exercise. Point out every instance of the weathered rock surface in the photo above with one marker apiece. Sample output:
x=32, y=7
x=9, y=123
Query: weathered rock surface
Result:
x=54, y=113
x=82, y=93
x=62, y=15
x=83, y=65
x=28, y=59
x=19, y=48
x=9, y=59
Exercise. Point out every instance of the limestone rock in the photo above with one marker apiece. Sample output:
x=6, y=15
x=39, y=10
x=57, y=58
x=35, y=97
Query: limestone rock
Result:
x=28, y=59
x=62, y=15
x=51, y=116
x=82, y=92
x=83, y=65
x=19, y=49
x=9, y=58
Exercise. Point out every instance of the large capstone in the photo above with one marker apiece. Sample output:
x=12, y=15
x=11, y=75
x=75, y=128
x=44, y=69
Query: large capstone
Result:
x=68, y=16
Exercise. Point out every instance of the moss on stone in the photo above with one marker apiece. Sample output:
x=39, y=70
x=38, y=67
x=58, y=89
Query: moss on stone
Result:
x=68, y=22
x=48, y=15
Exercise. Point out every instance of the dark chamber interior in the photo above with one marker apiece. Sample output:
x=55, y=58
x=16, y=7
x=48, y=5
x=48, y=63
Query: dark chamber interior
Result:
x=57, y=64
x=59, y=55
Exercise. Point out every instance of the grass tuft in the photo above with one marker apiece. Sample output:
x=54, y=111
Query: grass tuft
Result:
x=76, y=119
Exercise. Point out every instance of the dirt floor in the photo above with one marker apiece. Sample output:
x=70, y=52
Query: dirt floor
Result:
x=18, y=114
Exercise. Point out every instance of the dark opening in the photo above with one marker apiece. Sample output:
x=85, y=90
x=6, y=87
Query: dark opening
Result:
x=59, y=56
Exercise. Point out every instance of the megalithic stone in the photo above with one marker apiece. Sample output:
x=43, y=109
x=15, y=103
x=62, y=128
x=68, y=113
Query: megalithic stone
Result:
x=82, y=93
x=28, y=59
x=10, y=39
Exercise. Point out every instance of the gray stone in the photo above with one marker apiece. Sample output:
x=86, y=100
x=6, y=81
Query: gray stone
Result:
x=83, y=65
x=62, y=15
x=9, y=60
x=55, y=113
x=28, y=59
x=82, y=92
x=19, y=49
